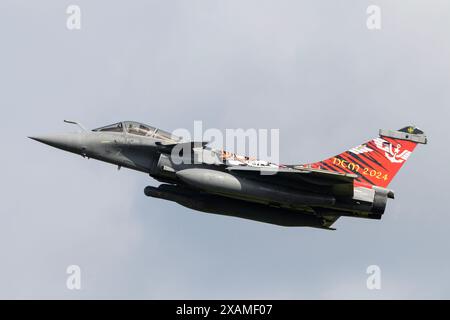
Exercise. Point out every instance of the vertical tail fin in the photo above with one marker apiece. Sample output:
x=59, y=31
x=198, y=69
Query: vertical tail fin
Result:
x=377, y=161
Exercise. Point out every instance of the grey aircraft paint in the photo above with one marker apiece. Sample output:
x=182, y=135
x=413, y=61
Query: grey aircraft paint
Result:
x=291, y=196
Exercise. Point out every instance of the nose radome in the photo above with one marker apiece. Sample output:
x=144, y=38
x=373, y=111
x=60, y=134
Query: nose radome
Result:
x=43, y=139
x=65, y=141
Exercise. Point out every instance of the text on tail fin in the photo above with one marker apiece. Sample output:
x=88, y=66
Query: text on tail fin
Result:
x=377, y=161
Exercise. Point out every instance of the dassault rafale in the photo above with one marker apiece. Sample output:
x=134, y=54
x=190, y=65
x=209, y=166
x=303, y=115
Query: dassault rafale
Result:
x=351, y=184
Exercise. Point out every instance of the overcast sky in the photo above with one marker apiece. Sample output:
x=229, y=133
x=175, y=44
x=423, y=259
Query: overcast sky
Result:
x=309, y=68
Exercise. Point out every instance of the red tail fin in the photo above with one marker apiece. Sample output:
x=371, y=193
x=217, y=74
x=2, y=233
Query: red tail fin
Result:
x=376, y=162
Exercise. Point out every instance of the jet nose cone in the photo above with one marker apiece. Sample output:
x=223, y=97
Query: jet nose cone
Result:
x=42, y=139
x=68, y=142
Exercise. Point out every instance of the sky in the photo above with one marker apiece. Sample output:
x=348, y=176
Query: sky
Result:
x=311, y=69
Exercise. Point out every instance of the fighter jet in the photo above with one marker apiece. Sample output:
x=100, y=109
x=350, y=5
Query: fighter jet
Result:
x=351, y=184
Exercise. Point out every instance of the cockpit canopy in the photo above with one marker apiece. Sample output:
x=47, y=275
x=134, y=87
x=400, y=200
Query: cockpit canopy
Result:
x=140, y=129
x=117, y=127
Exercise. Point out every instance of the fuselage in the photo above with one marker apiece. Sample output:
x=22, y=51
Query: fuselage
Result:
x=352, y=183
x=146, y=151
